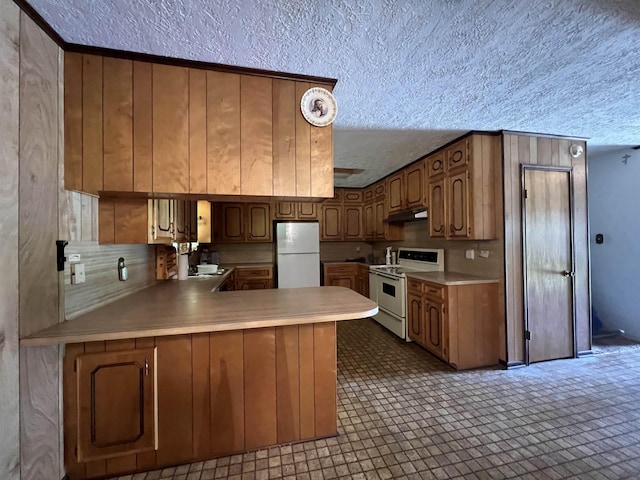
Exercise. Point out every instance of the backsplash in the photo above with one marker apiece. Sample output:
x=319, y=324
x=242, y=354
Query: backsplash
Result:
x=340, y=251
x=232, y=253
x=416, y=235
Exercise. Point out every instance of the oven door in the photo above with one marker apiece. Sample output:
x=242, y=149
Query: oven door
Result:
x=391, y=294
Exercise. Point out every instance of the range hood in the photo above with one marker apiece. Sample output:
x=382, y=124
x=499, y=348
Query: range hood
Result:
x=408, y=216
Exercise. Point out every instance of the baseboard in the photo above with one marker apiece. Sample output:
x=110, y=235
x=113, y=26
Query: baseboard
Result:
x=585, y=353
x=512, y=365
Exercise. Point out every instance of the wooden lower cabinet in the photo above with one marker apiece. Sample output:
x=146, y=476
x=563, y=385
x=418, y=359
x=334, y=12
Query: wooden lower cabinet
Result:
x=350, y=275
x=251, y=278
x=457, y=323
x=217, y=394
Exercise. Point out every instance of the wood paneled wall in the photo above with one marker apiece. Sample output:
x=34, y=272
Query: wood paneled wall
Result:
x=522, y=149
x=224, y=392
x=9, y=293
x=39, y=281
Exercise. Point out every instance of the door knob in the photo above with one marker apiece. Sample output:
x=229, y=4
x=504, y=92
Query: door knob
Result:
x=566, y=273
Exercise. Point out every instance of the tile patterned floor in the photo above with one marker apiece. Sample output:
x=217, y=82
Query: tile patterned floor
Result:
x=404, y=414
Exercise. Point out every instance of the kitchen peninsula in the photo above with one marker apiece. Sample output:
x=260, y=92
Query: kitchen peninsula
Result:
x=175, y=373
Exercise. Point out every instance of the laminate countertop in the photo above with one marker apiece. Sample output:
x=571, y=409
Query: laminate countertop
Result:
x=450, y=278
x=189, y=306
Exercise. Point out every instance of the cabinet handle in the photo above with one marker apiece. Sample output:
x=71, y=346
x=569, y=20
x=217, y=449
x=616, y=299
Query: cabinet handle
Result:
x=146, y=367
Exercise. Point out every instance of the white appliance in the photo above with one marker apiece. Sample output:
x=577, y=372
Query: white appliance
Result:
x=298, y=254
x=388, y=285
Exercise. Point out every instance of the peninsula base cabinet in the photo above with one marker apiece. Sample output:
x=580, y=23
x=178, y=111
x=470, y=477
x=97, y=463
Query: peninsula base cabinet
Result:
x=457, y=323
x=142, y=404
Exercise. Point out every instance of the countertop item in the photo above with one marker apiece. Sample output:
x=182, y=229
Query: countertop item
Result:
x=450, y=278
x=176, y=308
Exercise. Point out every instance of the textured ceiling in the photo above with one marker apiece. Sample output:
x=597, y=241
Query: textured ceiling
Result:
x=412, y=74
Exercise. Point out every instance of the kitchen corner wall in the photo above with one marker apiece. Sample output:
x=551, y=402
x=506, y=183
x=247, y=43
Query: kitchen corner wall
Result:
x=35, y=212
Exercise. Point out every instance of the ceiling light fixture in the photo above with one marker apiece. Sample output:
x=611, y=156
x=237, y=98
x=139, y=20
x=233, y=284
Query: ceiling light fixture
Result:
x=575, y=150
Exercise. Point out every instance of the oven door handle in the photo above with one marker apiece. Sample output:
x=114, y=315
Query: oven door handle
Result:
x=390, y=277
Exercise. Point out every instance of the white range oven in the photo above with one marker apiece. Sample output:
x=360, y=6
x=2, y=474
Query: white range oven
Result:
x=388, y=285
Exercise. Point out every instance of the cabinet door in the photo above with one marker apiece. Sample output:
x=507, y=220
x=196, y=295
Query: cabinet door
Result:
x=285, y=210
x=435, y=164
x=161, y=217
x=259, y=223
x=307, y=211
x=379, y=214
x=415, y=184
x=352, y=196
x=458, y=155
x=253, y=284
x=331, y=222
x=231, y=218
x=459, y=205
x=379, y=189
x=437, y=208
x=369, y=221
x=434, y=328
x=395, y=192
x=182, y=221
x=353, y=223
x=341, y=280
x=415, y=318
x=116, y=403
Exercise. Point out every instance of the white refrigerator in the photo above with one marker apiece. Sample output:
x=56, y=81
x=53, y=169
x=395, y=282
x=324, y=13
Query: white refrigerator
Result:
x=298, y=254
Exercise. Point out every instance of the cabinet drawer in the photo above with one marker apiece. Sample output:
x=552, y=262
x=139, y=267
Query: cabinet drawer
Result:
x=253, y=273
x=434, y=291
x=414, y=285
x=340, y=269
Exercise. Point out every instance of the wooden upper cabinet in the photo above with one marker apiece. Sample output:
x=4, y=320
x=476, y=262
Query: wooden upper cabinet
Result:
x=133, y=126
x=379, y=212
x=331, y=222
x=352, y=196
x=307, y=211
x=116, y=413
x=231, y=222
x=352, y=216
x=436, y=164
x=170, y=129
x=223, y=133
x=395, y=192
x=117, y=94
x=369, y=215
x=437, y=208
x=415, y=185
x=284, y=211
x=258, y=222
x=458, y=154
x=458, y=208
x=379, y=189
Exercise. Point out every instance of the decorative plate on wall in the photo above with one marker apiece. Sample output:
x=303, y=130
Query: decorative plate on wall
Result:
x=319, y=107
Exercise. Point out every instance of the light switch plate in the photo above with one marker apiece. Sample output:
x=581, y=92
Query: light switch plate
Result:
x=74, y=257
x=484, y=253
x=470, y=254
x=77, y=273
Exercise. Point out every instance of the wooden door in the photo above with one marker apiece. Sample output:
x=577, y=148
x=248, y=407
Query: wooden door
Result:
x=232, y=228
x=548, y=258
x=353, y=223
x=437, y=208
x=116, y=403
x=331, y=223
x=459, y=205
x=414, y=196
x=395, y=192
x=307, y=211
x=259, y=222
x=433, y=327
x=285, y=210
x=415, y=317
x=369, y=221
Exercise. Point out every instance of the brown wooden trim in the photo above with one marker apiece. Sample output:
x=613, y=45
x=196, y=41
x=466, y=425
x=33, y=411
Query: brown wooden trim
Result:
x=181, y=62
x=543, y=135
x=41, y=22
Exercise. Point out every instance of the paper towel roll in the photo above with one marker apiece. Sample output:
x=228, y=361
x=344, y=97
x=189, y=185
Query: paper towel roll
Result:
x=183, y=267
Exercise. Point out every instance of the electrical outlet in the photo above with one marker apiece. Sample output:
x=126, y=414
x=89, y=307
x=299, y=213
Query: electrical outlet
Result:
x=484, y=253
x=77, y=273
x=74, y=258
x=470, y=254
